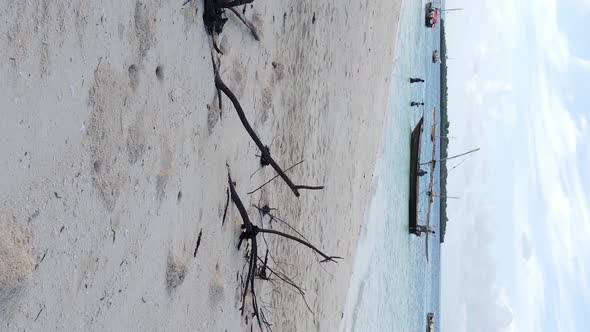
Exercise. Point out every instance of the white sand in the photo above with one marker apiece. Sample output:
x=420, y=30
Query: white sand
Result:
x=113, y=170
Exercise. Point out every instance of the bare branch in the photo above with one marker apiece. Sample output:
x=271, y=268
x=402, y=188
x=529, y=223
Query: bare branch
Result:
x=305, y=243
x=226, y=206
x=264, y=151
x=247, y=23
x=274, y=177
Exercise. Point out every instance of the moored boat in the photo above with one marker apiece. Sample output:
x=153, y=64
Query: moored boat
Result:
x=431, y=15
x=415, y=141
x=430, y=322
x=435, y=57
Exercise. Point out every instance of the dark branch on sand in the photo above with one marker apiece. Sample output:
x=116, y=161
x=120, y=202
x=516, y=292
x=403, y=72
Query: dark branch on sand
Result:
x=310, y=187
x=215, y=69
x=214, y=22
x=294, y=238
x=225, y=210
x=215, y=19
x=198, y=243
x=282, y=277
x=264, y=151
x=247, y=23
x=250, y=232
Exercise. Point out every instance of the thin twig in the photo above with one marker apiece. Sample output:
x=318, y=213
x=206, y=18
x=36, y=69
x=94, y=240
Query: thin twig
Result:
x=247, y=23
x=256, y=171
x=274, y=177
x=309, y=245
x=310, y=187
x=38, y=314
x=41, y=260
x=198, y=243
x=291, y=283
x=225, y=211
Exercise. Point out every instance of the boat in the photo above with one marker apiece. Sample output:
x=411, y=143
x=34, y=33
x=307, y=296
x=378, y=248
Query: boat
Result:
x=431, y=15
x=435, y=57
x=432, y=133
x=433, y=128
x=415, y=141
x=434, y=161
x=430, y=322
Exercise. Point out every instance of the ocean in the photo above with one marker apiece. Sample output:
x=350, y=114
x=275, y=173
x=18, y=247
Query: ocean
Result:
x=394, y=285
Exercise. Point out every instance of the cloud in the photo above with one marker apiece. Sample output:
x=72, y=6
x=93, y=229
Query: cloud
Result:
x=582, y=122
x=475, y=291
x=505, y=17
x=530, y=289
x=581, y=63
x=583, y=4
x=549, y=37
x=544, y=266
x=563, y=217
x=558, y=134
x=528, y=296
x=527, y=249
x=493, y=98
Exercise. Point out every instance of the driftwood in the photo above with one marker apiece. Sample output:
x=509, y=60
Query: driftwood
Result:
x=198, y=243
x=231, y=3
x=214, y=23
x=266, y=210
x=247, y=23
x=250, y=232
x=214, y=16
x=264, y=151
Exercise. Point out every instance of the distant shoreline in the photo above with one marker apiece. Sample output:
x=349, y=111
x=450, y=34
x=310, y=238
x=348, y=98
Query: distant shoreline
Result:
x=444, y=131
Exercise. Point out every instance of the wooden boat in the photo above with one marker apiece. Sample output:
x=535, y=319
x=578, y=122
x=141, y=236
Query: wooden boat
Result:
x=430, y=322
x=431, y=15
x=415, y=141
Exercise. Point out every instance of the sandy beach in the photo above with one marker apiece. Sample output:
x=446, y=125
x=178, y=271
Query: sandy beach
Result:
x=114, y=158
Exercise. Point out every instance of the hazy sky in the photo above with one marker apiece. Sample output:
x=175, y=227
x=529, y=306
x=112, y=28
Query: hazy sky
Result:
x=517, y=250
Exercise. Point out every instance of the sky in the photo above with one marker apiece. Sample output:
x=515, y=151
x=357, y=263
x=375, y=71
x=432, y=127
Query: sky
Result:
x=516, y=255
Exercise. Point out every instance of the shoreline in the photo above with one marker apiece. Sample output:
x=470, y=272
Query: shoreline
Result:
x=116, y=152
x=392, y=273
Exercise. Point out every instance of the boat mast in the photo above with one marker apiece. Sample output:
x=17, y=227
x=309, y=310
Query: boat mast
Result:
x=454, y=197
x=449, y=158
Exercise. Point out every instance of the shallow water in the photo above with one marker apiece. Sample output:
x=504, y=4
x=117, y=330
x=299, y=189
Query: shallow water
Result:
x=394, y=285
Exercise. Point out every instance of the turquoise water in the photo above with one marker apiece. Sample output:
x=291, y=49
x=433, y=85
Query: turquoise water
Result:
x=394, y=285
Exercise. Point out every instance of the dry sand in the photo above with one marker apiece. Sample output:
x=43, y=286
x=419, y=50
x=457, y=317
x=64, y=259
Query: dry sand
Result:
x=113, y=158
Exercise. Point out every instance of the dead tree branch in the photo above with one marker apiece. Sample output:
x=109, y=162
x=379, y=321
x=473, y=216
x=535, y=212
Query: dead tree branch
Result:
x=214, y=16
x=247, y=23
x=250, y=232
x=283, y=277
x=225, y=210
x=264, y=151
x=294, y=238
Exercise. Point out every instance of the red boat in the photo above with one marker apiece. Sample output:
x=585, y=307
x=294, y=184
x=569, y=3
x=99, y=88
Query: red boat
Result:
x=431, y=15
